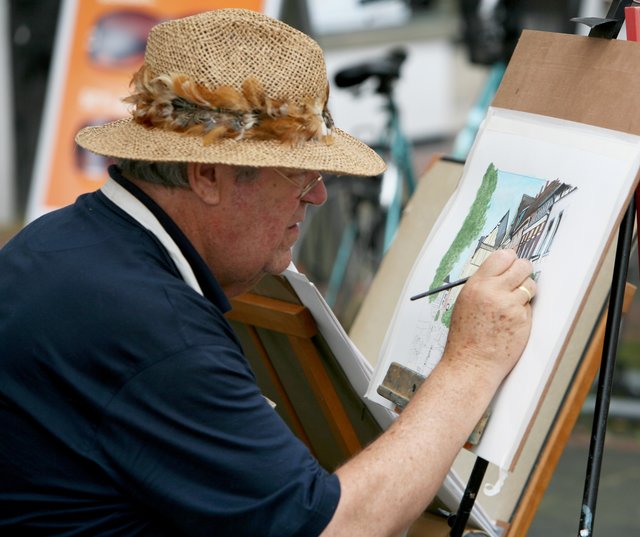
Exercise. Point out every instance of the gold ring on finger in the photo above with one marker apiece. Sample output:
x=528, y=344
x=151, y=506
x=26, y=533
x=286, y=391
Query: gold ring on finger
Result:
x=527, y=292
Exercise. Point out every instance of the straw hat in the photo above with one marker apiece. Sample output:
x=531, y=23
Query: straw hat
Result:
x=235, y=87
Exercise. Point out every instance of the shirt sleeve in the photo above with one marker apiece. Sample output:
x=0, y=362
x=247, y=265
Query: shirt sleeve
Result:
x=192, y=438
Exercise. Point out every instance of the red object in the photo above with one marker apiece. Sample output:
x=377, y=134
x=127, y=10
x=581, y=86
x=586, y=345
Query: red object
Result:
x=632, y=20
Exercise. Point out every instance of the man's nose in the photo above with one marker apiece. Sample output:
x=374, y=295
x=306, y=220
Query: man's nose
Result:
x=317, y=195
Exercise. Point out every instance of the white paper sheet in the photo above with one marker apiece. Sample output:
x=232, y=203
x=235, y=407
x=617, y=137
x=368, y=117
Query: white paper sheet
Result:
x=602, y=166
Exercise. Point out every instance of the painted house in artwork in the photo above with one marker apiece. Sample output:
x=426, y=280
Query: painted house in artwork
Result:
x=525, y=208
x=531, y=233
x=487, y=244
x=538, y=220
x=554, y=219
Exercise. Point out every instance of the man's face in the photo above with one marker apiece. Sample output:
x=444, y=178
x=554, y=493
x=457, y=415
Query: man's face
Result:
x=262, y=218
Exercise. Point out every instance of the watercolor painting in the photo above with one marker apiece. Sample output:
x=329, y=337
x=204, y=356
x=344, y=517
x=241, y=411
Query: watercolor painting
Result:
x=509, y=211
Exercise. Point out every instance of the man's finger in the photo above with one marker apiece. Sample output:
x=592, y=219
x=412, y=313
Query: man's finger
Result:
x=497, y=263
x=519, y=271
x=526, y=291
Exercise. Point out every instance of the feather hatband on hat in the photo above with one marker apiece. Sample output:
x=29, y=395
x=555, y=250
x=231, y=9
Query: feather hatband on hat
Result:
x=178, y=103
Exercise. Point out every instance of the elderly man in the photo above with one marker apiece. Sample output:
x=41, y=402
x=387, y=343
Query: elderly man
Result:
x=126, y=405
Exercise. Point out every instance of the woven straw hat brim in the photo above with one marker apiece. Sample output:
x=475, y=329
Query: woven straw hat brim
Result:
x=129, y=140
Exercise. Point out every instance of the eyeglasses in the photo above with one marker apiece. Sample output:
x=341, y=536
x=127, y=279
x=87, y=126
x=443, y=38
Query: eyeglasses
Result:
x=306, y=188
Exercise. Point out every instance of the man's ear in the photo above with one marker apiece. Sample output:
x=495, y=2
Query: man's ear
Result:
x=204, y=182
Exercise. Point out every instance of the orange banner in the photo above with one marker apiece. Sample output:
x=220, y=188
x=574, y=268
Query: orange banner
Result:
x=100, y=44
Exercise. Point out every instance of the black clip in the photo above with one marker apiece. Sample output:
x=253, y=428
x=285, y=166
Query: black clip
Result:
x=610, y=26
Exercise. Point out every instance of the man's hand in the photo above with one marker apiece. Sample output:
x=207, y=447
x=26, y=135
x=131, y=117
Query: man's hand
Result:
x=491, y=319
x=388, y=485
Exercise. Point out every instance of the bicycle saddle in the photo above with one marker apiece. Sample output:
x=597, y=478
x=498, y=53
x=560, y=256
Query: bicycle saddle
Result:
x=385, y=69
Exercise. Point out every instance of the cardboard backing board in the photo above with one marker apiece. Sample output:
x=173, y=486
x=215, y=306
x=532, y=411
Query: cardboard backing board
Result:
x=577, y=78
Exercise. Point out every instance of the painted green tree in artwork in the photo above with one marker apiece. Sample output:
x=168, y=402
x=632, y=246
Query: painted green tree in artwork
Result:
x=446, y=318
x=470, y=229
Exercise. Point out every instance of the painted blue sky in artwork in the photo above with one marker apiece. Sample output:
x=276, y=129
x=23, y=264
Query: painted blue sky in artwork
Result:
x=507, y=196
x=509, y=191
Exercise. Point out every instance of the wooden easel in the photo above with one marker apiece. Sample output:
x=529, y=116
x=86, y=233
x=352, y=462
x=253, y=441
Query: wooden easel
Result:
x=295, y=322
x=295, y=369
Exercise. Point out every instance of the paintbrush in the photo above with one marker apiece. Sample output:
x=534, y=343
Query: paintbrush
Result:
x=441, y=288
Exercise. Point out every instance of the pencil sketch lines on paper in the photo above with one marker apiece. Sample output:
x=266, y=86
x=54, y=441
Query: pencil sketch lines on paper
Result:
x=509, y=211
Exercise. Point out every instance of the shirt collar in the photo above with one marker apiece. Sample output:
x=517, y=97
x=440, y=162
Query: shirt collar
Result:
x=150, y=215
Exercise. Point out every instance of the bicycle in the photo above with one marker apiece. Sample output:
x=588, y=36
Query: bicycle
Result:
x=342, y=243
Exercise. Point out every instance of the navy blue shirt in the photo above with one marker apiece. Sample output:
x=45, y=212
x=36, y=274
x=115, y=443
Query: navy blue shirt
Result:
x=126, y=404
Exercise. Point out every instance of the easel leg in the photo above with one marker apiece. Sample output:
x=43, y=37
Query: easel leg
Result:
x=460, y=519
x=603, y=397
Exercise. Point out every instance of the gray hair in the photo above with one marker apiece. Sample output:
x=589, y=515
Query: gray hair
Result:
x=170, y=174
